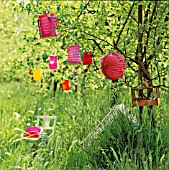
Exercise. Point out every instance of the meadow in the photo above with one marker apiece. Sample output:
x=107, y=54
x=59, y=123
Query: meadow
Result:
x=123, y=144
x=137, y=30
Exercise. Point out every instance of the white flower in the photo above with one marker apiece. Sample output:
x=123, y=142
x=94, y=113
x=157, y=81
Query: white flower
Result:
x=28, y=124
x=50, y=109
x=17, y=115
x=31, y=111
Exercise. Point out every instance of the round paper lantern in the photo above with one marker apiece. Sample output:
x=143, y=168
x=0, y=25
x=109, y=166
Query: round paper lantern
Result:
x=113, y=66
x=47, y=25
x=32, y=132
x=74, y=54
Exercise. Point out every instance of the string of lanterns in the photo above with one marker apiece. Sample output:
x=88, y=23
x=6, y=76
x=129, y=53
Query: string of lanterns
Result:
x=113, y=66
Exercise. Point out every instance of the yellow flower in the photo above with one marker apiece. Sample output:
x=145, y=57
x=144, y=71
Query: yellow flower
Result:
x=97, y=136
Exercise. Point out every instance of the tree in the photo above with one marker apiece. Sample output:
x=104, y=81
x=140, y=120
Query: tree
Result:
x=139, y=35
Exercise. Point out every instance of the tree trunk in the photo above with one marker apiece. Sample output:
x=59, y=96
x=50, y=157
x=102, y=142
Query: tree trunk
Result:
x=55, y=87
x=139, y=53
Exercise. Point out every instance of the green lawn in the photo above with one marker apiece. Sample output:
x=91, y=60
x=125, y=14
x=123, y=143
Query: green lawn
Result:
x=123, y=144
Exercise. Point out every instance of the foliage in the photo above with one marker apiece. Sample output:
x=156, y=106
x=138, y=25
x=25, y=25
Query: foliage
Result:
x=95, y=25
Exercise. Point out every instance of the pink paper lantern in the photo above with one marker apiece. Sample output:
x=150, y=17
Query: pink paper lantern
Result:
x=113, y=66
x=47, y=25
x=74, y=54
x=32, y=132
x=53, y=62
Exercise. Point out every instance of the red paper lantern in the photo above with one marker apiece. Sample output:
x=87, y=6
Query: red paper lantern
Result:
x=47, y=25
x=53, y=62
x=32, y=132
x=65, y=85
x=74, y=54
x=87, y=59
x=113, y=66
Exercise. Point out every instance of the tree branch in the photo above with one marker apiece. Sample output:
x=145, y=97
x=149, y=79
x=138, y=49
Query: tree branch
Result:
x=132, y=68
x=97, y=44
x=118, y=38
x=153, y=12
x=147, y=76
x=157, y=42
x=148, y=32
x=162, y=85
x=85, y=7
x=98, y=38
x=163, y=75
x=130, y=15
x=103, y=40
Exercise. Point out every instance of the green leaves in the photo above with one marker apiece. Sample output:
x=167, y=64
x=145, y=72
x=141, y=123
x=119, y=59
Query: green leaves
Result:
x=85, y=23
x=81, y=7
x=58, y=8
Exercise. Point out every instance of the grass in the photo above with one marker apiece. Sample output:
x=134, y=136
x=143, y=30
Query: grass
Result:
x=124, y=143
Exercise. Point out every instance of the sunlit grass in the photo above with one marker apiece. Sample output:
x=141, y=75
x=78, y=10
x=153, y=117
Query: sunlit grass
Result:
x=124, y=144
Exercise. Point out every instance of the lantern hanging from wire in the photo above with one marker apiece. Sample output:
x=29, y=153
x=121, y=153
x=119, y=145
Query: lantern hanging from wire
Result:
x=37, y=75
x=48, y=24
x=53, y=62
x=74, y=54
x=65, y=85
x=113, y=66
x=87, y=59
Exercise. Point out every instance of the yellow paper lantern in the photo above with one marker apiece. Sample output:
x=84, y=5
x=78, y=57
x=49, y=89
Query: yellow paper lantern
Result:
x=36, y=75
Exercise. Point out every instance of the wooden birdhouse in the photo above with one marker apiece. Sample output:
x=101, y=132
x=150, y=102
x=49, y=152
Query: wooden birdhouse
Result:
x=74, y=54
x=147, y=96
x=65, y=85
x=87, y=59
x=53, y=62
x=48, y=25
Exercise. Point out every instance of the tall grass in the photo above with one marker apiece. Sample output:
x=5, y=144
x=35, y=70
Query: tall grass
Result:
x=124, y=143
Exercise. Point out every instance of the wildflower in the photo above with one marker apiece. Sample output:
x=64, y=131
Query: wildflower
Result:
x=31, y=111
x=28, y=124
x=17, y=115
x=97, y=136
x=30, y=71
x=125, y=153
x=50, y=109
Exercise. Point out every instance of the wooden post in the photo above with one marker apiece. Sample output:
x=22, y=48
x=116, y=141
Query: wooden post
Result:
x=75, y=78
x=114, y=94
x=55, y=87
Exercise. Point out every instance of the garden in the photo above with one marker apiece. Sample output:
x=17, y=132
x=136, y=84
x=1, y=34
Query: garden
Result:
x=99, y=70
